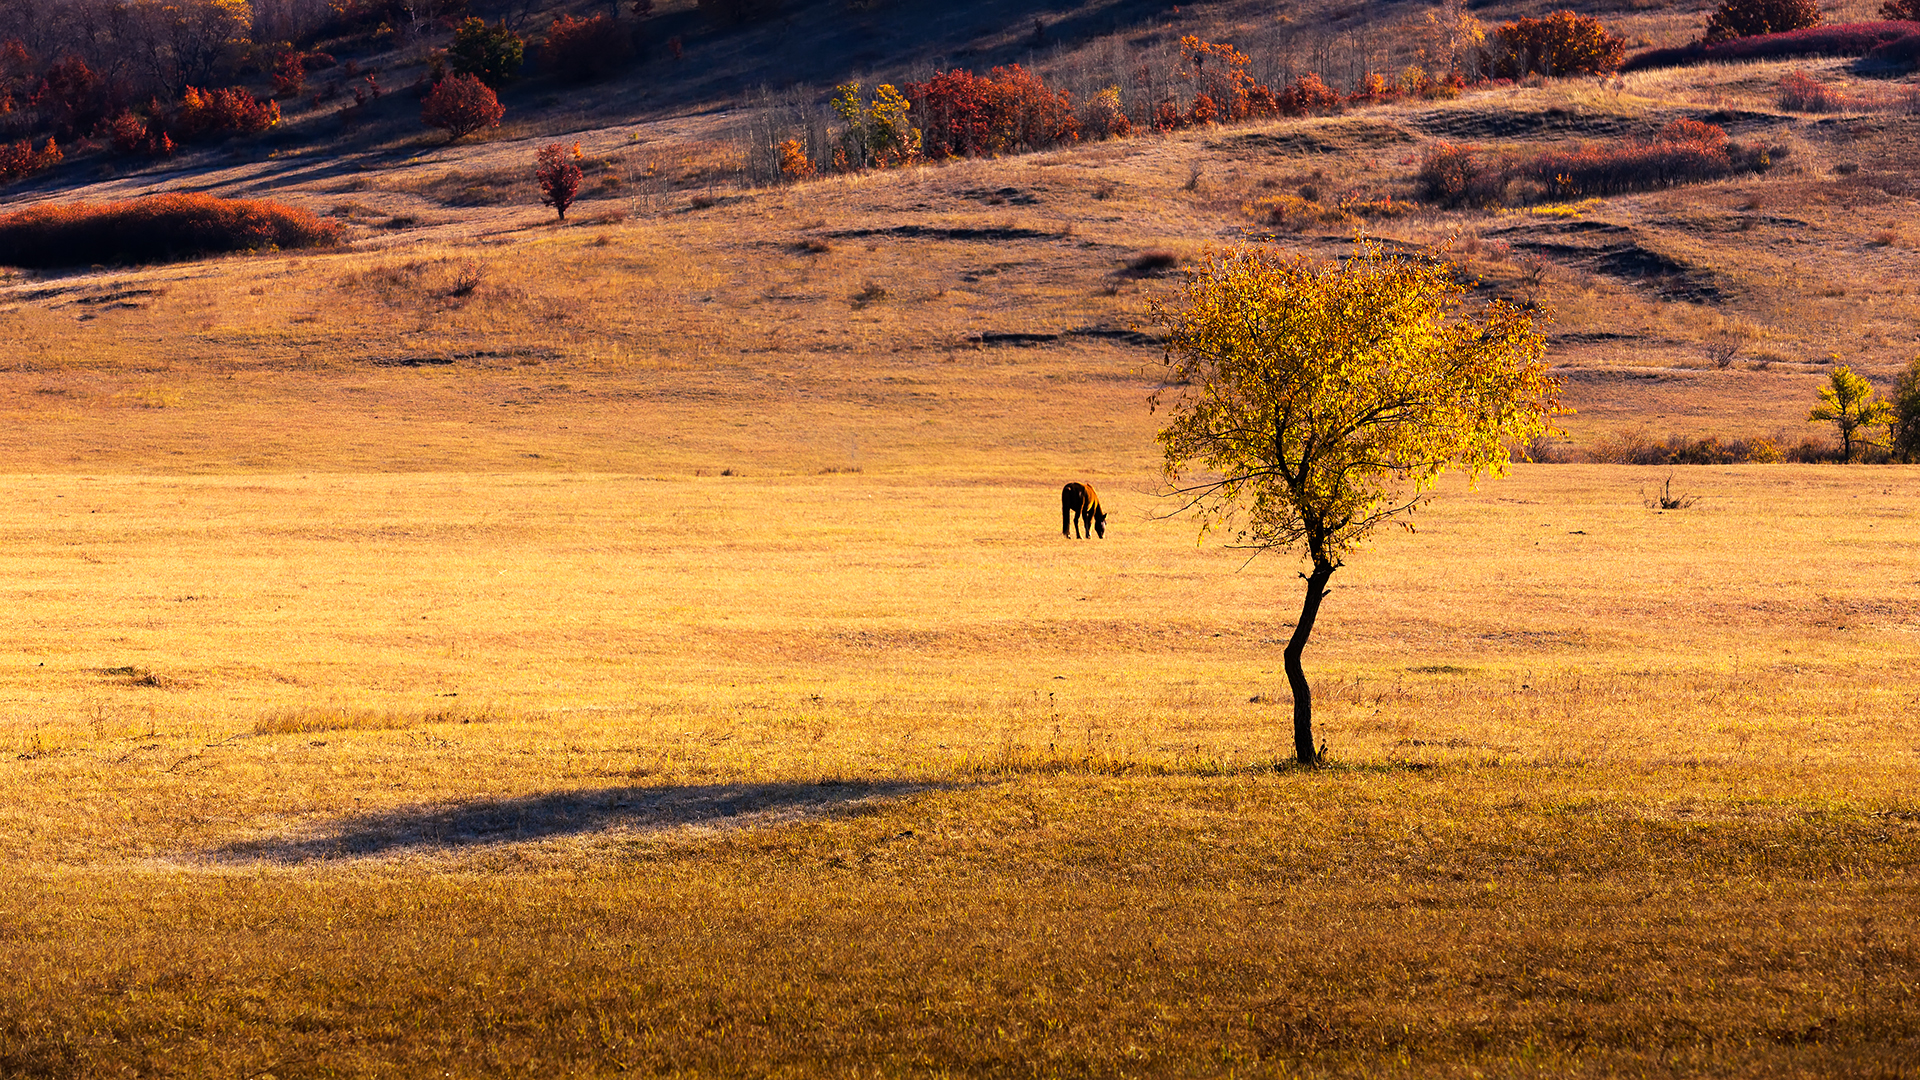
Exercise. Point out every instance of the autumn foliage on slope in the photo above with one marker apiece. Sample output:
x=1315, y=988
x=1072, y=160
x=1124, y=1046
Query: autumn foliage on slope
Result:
x=159, y=228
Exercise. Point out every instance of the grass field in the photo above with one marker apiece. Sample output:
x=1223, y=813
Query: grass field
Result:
x=643, y=646
x=595, y=774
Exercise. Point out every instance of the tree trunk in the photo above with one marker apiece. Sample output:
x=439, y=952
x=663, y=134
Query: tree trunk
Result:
x=1296, y=675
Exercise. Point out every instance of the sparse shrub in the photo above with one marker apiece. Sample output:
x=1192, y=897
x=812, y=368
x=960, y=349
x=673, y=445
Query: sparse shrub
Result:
x=1563, y=43
x=492, y=54
x=461, y=105
x=1903, y=434
x=159, y=228
x=1453, y=175
x=1750, y=18
x=23, y=158
x=557, y=171
x=1637, y=448
x=1801, y=92
x=1904, y=10
x=581, y=50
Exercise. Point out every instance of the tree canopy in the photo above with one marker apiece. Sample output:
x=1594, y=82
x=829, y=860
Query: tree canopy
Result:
x=1311, y=402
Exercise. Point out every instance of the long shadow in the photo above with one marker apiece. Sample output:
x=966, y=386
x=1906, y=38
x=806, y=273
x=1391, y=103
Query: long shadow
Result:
x=479, y=823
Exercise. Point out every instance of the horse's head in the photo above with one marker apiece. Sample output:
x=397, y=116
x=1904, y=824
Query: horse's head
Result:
x=1100, y=524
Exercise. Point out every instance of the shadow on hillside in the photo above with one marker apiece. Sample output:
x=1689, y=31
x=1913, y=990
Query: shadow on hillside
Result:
x=629, y=811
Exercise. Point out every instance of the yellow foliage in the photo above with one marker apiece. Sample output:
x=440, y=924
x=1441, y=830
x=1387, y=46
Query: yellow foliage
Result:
x=1319, y=400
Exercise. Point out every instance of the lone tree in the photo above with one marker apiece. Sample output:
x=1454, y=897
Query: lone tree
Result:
x=557, y=170
x=1847, y=402
x=1318, y=400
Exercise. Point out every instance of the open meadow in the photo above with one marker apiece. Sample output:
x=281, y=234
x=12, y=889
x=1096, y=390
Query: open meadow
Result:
x=643, y=645
x=594, y=774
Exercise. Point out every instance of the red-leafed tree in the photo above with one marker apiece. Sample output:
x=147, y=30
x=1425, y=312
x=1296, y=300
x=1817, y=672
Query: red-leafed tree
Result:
x=461, y=105
x=557, y=170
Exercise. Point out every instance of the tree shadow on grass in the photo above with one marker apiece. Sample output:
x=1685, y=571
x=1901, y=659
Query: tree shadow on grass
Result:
x=476, y=824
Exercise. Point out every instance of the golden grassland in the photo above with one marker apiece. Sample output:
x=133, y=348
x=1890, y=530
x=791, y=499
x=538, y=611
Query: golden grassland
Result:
x=601, y=774
x=643, y=646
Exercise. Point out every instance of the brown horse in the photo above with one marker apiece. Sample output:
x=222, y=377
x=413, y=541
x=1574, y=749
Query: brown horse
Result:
x=1080, y=513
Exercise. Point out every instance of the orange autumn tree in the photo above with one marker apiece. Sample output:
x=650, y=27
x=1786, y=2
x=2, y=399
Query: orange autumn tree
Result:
x=1312, y=402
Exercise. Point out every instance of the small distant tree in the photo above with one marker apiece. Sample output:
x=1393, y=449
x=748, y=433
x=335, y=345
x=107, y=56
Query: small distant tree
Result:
x=1751, y=18
x=1903, y=426
x=557, y=170
x=493, y=54
x=1901, y=9
x=1847, y=402
x=461, y=105
x=1320, y=400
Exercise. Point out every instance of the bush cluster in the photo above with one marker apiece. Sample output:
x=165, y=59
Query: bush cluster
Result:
x=23, y=158
x=159, y=228
x=1563, y=43
x=492, y=54
x=966, y=115
x=1801, y=92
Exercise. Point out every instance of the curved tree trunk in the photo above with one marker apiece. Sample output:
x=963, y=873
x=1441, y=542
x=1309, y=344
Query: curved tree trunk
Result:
x=1296, y=674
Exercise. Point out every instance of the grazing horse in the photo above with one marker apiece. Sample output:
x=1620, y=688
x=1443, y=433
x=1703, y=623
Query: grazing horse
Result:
x=1080, y=513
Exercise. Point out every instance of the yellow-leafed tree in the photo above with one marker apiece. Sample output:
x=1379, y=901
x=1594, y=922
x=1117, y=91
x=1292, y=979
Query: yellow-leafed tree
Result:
x=1313, y=401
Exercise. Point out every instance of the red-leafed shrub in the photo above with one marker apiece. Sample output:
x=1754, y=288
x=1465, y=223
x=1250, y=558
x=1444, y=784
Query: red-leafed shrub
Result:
x=219, y=112
x=1801, y=92
x=966, y=115
x=1373, y=87
x=582, y=50
x=1749, y=18
x=1844, y=39
x=1563, y=43
x=160, y=228
x=557, y=171
x=23, y=158
x=461, y=105
x=1305, y=96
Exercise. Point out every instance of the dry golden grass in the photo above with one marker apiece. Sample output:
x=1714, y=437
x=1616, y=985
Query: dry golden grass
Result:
x=876, y=772
x=643, y=646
